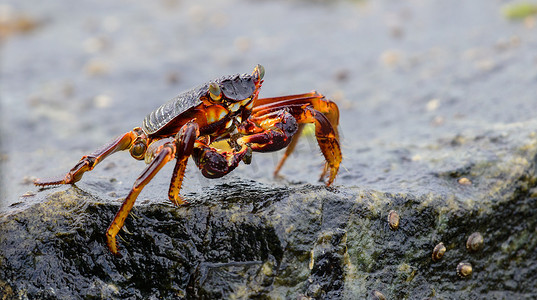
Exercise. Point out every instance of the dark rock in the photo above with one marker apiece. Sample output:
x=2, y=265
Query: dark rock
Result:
x=248, y=240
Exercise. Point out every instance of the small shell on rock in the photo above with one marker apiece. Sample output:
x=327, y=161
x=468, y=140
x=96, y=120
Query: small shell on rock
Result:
x=464, y=269
x=474, y=242
x=376, y=295
x=28, y=194
x=438, y=252
x=464, y=181
x=393, y=219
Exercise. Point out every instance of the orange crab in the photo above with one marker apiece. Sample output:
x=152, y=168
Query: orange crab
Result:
x=224, y=109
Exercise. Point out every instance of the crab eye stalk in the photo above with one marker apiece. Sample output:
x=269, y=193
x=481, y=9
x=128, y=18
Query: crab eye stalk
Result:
x=259, y=72
x=214, y=92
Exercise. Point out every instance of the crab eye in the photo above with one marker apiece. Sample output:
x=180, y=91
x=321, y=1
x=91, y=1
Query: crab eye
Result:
x=215, y=92
x=138, y=150
x=259, y=72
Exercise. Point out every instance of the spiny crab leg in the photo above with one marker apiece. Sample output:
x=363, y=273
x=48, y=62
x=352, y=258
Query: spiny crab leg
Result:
x=88, y=162
x=184, y=143
x=180, y=148
x=164, y=154
x=290, y=150
x=328, y=141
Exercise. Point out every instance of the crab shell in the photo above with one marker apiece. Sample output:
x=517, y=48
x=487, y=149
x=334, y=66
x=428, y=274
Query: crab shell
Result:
x=234, y=88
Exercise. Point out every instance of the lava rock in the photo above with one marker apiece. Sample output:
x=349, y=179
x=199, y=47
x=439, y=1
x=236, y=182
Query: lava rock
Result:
x=252, y=240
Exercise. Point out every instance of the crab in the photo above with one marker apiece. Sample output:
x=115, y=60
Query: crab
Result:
x=225, y=109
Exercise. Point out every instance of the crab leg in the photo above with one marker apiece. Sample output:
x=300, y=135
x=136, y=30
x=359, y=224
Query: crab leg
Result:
x=328, y=140
x=88, y=162
x=164, y=155
x=289, y=150
x=305, y=108
x=184, y=142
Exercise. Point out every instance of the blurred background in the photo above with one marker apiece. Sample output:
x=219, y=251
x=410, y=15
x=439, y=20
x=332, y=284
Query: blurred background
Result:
x=404, y=73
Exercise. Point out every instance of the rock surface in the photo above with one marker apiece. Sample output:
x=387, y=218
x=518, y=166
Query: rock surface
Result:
x=249, y=240
x=438, y=120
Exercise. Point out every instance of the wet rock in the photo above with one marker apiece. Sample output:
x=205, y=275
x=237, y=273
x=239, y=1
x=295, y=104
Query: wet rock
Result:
x=247, y=239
